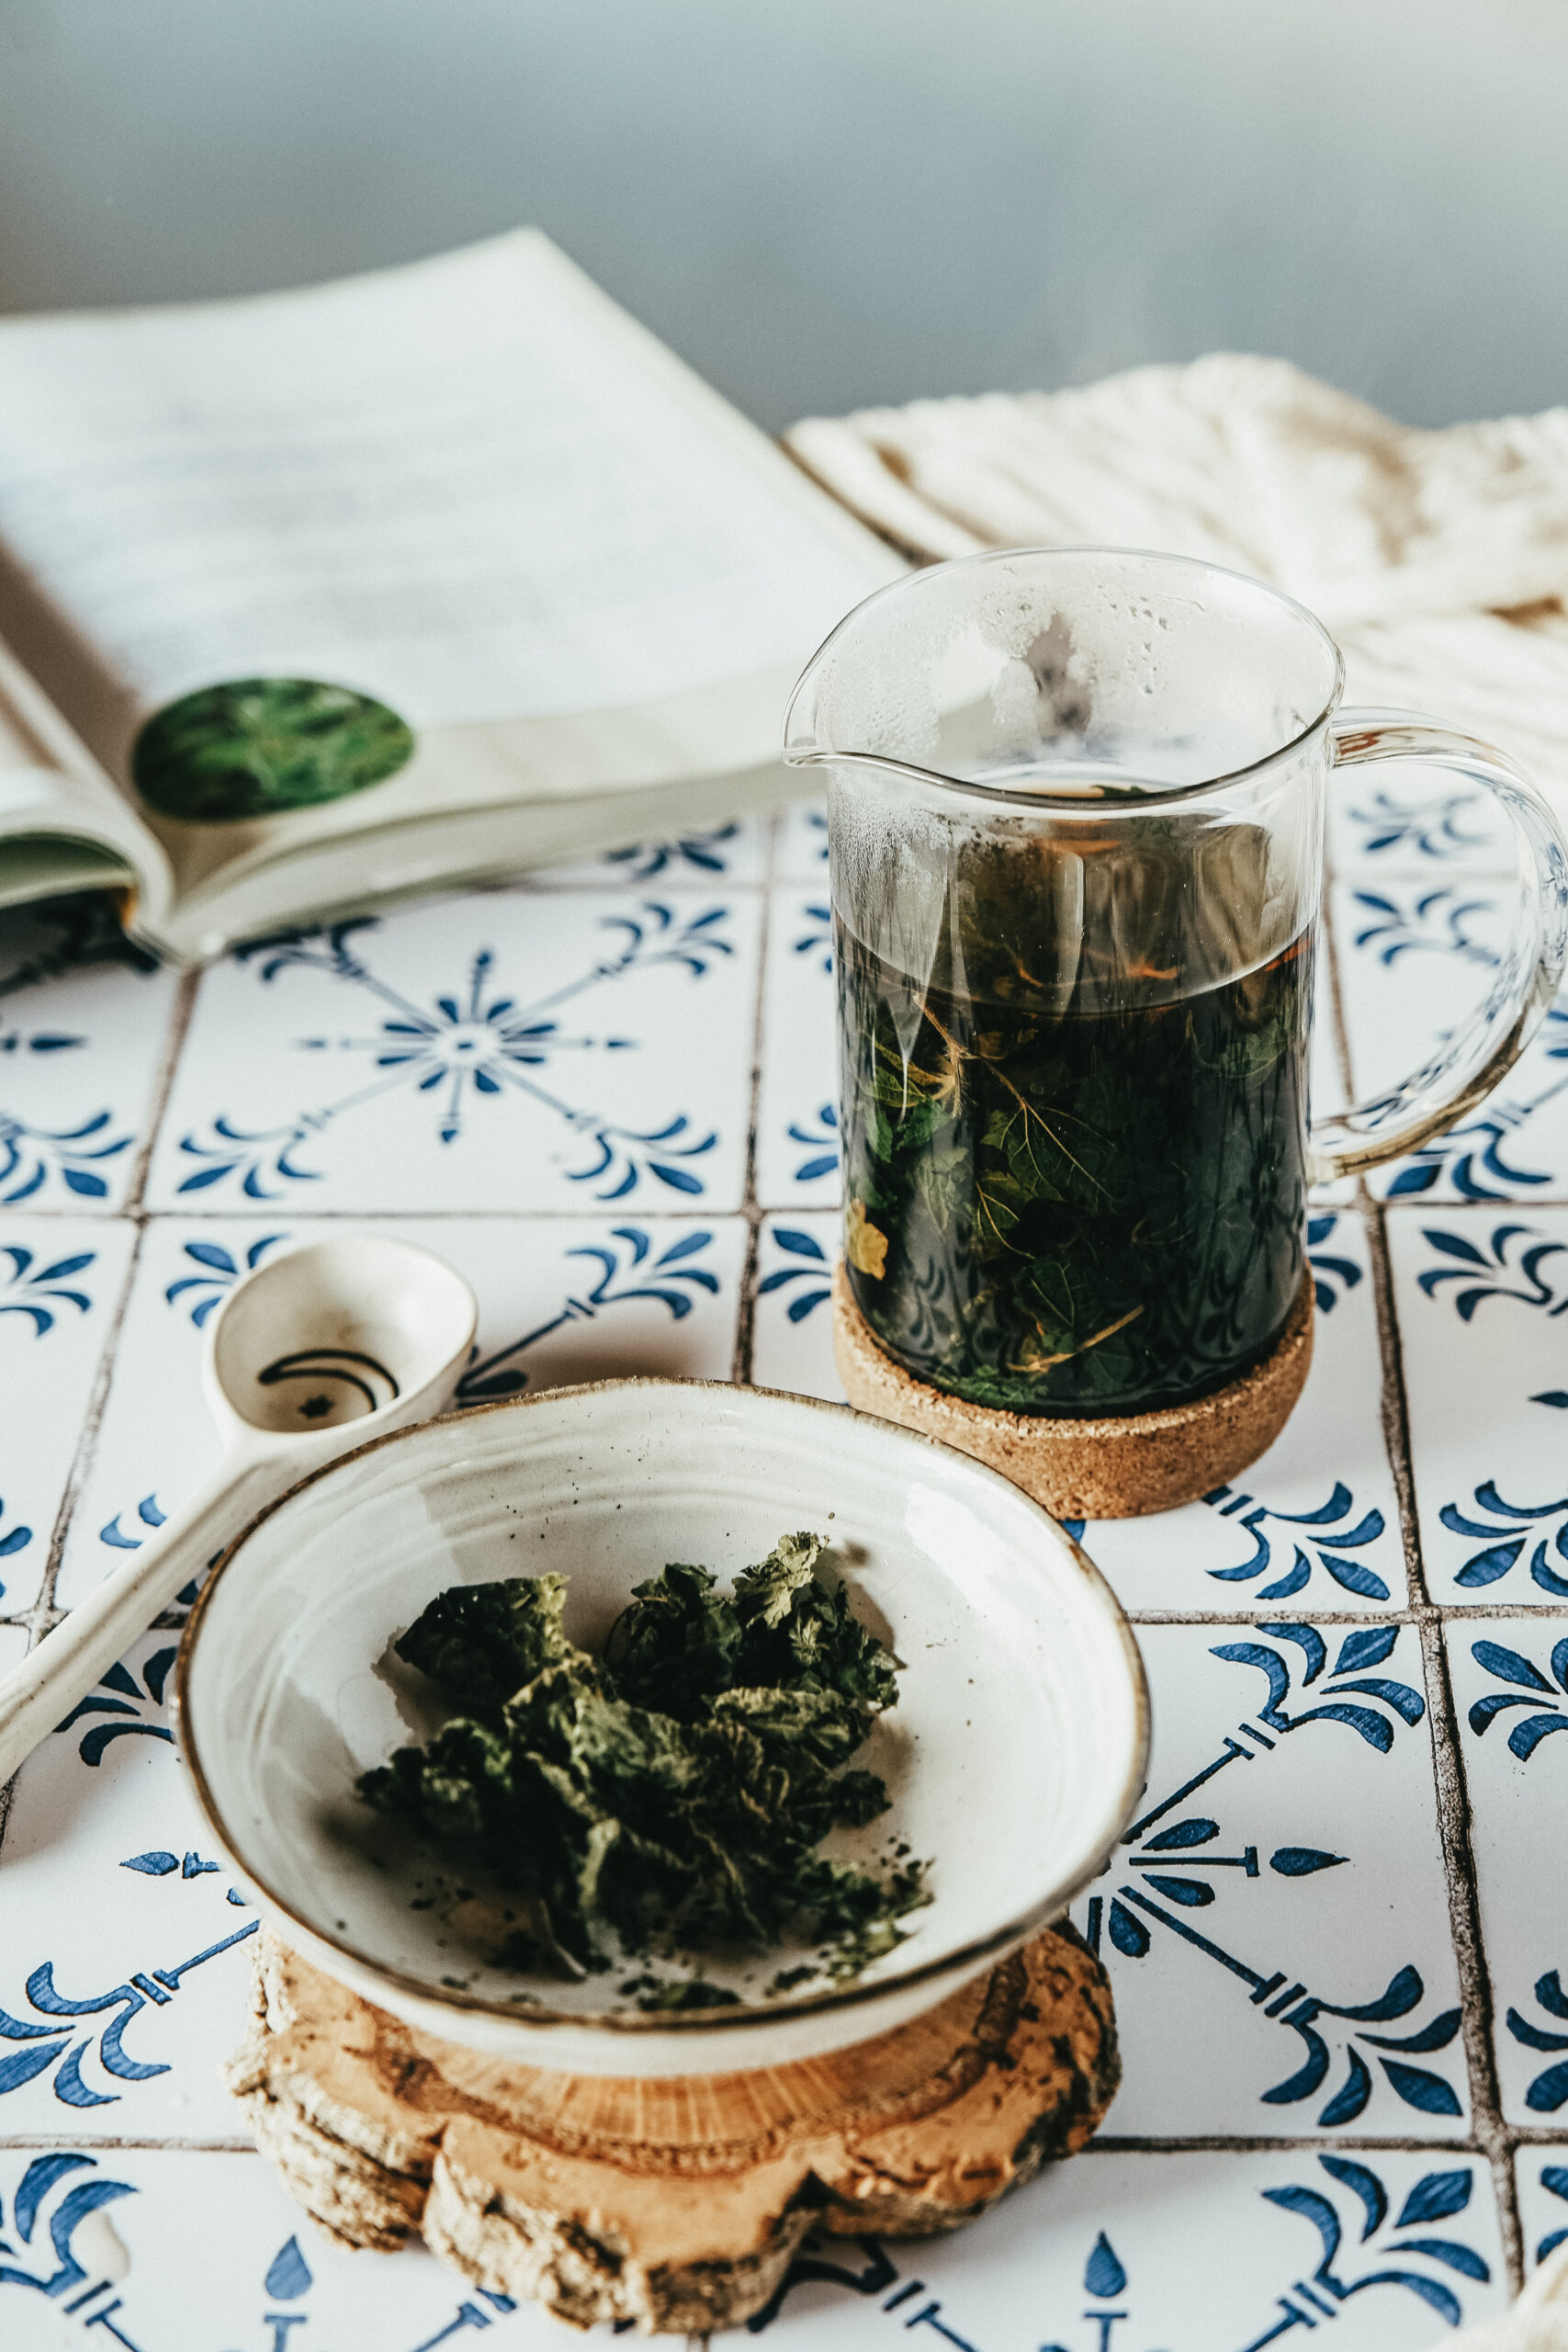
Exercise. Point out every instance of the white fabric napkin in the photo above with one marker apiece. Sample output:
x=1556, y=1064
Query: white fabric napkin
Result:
x=1439, y=560
x=1536, y=2323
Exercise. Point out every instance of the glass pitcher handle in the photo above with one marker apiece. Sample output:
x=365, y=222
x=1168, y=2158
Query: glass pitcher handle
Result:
x=1462, y=1072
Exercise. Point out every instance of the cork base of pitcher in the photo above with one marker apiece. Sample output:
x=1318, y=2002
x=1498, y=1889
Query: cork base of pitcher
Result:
x=1117, y=1467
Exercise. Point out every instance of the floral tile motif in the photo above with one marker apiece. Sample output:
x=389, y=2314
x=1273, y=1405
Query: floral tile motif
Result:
x=509, y=1050
x=1510, y=1682
x=1541, y=2179
x=1416, y=959
x=117, y=2244
x=1480, y=1296
x=797, y=1121
x=1318, y=1990
x=122, y=1938
x=791, y=1330
x=1427, y=825
x=801, y=854
x=83, y=1022
x=60, y=1280
x=727, y=854
x=1201, y=2253
x=1315, y=1521
x=560, y=1300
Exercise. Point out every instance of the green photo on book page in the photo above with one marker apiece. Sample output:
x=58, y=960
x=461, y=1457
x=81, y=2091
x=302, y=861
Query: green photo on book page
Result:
x=264, y=747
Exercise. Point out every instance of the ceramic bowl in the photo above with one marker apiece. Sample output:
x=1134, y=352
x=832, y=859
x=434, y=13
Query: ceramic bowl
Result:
x=1014, y=1757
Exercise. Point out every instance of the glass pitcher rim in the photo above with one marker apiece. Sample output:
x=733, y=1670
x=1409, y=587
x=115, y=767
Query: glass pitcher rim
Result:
x=998, y=795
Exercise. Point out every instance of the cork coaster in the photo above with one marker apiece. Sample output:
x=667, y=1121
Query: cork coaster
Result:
x=1115, y=1469
x=676, y=2204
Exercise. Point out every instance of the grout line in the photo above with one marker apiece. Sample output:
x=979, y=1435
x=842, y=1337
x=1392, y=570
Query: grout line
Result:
x=1337, y=1003
x=1365, y=1205
x=1476, y=2005
x=255, y=1214
x=43, y=1616
x=1464, y=1922
x=12, y=2142
x=86, y=1444
x=1519, y=1612
x=746, y=1309
x=1111, y=2144
x=163, y=1086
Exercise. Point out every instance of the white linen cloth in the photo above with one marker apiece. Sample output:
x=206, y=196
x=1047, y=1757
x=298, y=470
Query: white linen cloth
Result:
x=1536, y=2323
x=1439, y=560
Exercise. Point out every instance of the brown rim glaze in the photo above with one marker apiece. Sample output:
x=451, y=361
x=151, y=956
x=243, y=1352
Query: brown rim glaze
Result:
x=970, y=1957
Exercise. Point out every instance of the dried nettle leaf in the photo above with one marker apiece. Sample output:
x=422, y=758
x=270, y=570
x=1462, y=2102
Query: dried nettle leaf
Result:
x=488, y=1639
x=675, y=1791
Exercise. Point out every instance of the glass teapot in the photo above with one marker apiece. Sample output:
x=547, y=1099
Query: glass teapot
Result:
x=1075, y=813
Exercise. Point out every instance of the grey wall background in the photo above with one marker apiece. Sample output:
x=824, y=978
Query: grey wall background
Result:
x=828, y=203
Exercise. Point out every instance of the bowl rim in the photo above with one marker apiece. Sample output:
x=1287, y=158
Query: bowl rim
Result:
x=968, y=1960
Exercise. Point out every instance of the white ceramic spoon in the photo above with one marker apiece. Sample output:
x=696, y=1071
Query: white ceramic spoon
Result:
x=310, y=1355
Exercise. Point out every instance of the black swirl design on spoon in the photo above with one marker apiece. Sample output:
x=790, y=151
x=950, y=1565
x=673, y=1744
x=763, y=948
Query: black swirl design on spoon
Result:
x=345, y=1369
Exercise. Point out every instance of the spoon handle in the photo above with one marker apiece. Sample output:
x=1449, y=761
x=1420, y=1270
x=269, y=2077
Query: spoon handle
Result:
x=63, y=1666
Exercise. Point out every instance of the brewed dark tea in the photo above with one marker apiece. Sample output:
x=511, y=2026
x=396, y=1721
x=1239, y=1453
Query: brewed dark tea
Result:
x=1074, y=1090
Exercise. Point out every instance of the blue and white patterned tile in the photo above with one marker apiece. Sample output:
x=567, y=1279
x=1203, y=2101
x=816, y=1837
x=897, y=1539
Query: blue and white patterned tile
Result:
x=514, y=1050
x=83, y=1023
x=792, y=1330
x=727, y=854
x=1202, y=2253
x=560, y=1300
x=1315, y=1521
x=1510, y=1677
x=122, y=1939
x=801, y=854
x=1426, y=824
x=172, y=2250
x=1416, y=958
x=60, y=1280
x=1541, y=2176
x=1291, y=1804
x=797, y=1119
x=1480, y=1297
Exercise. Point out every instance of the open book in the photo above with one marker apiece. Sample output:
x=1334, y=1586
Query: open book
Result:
x=444, y=571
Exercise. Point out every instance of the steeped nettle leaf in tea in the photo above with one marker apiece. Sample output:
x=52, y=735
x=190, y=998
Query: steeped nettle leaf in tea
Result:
x=674, y=1792
x=1074, y=1087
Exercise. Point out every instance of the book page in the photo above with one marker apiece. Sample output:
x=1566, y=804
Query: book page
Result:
x=471, y=490
x=63, y=826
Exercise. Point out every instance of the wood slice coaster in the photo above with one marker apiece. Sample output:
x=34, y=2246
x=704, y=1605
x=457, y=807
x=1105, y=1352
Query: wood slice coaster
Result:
x=674, y=2203
x=1113, y=1468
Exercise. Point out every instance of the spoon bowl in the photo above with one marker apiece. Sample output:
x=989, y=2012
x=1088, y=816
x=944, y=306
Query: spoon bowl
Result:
x=332, y=1333
x=322, y=1346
